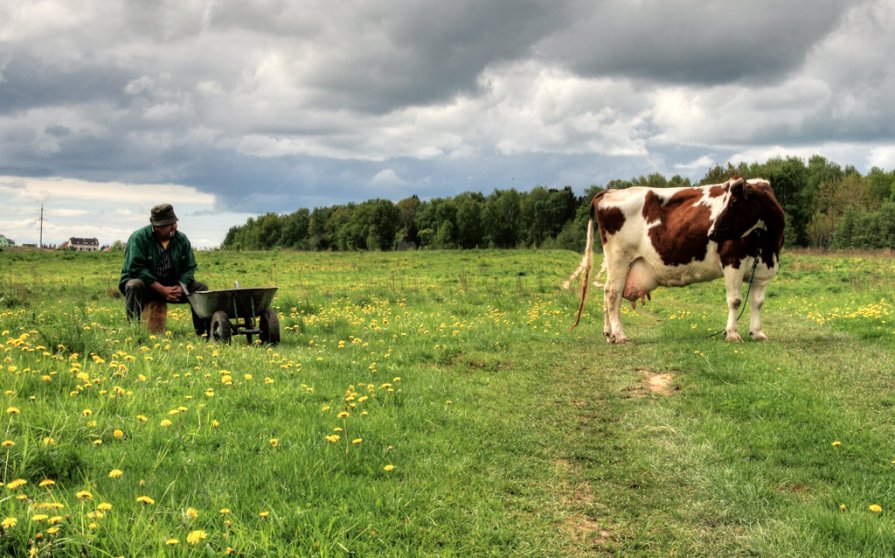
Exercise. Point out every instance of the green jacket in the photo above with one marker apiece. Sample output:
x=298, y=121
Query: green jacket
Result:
x=141, y=258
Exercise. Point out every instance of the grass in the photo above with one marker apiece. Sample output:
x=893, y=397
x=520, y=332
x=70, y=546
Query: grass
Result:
x=436, y=404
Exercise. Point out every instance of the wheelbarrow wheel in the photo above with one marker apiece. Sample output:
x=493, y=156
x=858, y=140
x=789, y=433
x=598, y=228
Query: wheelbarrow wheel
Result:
x=219, y=330
x=269, y=325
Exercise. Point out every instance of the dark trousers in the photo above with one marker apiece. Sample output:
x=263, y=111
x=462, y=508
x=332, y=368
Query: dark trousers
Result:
x=137, y=293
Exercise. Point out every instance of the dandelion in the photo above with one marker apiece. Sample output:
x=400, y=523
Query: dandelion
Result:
x=264, y=514
x=52, y=530
x=333, y=438
x=12, y=485
x=357, y=441
x=172, y=542
x=8, y=443
x=145, y=500
x=118, y=434
x=388, y=468
x=86, y=412
x=13, y=410
x=115, y=473
x=842, y=507
x=837, y=443
x=165, y=423
x=56, y=519
x=215, y=423
x=46, y=483
x=195, y=537
x=343, y=414
x=84, y=495
x=38, y=517
x=104, y=506
x=224, y=511
x=274, y=442
x=875, y=508
x=192, y=513
x=142, y=418
x=8, y=523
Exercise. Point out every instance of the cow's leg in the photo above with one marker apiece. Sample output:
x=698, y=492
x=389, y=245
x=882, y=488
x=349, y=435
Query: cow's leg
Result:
x=756, y=300
x=612, y=299
x=733, y=281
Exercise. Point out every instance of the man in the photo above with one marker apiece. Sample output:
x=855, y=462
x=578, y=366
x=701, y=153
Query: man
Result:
x=158, y=262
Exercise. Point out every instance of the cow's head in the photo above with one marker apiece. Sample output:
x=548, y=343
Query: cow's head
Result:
x=742, y=211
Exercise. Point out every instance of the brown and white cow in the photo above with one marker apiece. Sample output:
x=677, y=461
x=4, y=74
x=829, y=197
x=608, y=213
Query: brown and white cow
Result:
x=672, y=237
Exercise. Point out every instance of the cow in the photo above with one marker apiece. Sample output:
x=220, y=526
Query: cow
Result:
x=672, y=237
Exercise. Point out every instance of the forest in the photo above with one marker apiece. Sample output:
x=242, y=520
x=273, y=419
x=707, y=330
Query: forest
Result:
x=826, y=206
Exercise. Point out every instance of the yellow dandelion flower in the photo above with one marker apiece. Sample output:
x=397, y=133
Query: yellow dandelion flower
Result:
x=388, y=468
x=9, y=523
x=172, y=542
x=104, y=506
x=115, y=473
x=8, y=443
x=146, y=500
x=274, y=442
x=86, y=412
x=324, y=408
x=357, y=441
x=343, y=414
x=142, y=418
x=46, y=482
x=165, y=423
x=12, y=485
x=118, y=434
x=875, y=508
x=192, y=513
x=842, y=507
x=55, y=520
x=836, y=444
x=97, y=442
x=215, y=423
x=333, y=438
x=38, y=517
x=195, y=537
x=224, y=511
x=13, y=410
x=52, y=530
x=264, y=514
x=83, y=495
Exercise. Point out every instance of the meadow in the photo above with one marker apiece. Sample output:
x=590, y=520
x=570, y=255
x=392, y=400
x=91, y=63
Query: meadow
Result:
x=437, y=404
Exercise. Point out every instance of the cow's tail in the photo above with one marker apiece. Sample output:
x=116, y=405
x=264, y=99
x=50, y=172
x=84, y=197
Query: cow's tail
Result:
x=586, y=263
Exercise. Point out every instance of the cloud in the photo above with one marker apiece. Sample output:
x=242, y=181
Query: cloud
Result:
x=270, y=105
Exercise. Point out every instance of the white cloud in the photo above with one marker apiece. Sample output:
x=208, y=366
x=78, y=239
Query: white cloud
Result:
x=387, y=178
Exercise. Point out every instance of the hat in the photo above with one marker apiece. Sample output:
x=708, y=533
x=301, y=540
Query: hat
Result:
x=162, y=215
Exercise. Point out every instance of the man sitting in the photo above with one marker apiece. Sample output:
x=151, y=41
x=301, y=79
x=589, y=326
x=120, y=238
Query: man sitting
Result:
x=158, y=262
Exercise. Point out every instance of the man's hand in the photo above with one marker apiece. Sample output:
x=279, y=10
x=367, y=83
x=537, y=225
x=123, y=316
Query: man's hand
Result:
x=171, y=294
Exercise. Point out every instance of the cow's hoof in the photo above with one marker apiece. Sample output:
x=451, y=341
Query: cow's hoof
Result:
x=734, y=338
x=618, y=340
x=759, y=336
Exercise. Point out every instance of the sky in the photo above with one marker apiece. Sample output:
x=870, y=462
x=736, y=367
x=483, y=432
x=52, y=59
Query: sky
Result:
x=229, y=110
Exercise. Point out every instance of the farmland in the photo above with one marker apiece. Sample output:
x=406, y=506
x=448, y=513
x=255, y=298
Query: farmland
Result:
x=437, y=404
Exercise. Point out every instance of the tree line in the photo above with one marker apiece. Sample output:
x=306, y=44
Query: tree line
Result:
x=826, y=206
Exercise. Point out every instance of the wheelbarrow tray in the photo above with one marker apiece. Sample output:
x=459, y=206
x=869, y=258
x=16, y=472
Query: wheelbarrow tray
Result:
x=242, y=303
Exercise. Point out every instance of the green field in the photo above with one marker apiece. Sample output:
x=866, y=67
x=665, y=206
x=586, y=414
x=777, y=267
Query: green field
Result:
x=437, y=404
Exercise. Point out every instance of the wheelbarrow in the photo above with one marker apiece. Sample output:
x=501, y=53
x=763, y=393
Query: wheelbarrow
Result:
x=229, y=312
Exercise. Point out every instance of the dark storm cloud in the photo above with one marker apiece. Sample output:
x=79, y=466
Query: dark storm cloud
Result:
x=693, y=41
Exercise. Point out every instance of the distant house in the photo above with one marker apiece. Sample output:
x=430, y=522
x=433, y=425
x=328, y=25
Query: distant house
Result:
x=83, y=244
x=5, y=242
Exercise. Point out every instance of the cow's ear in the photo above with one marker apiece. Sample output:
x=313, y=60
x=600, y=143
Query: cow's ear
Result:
x=736, y=186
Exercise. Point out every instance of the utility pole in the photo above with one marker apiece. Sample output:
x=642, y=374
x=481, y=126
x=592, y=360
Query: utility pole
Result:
x=41, y=225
